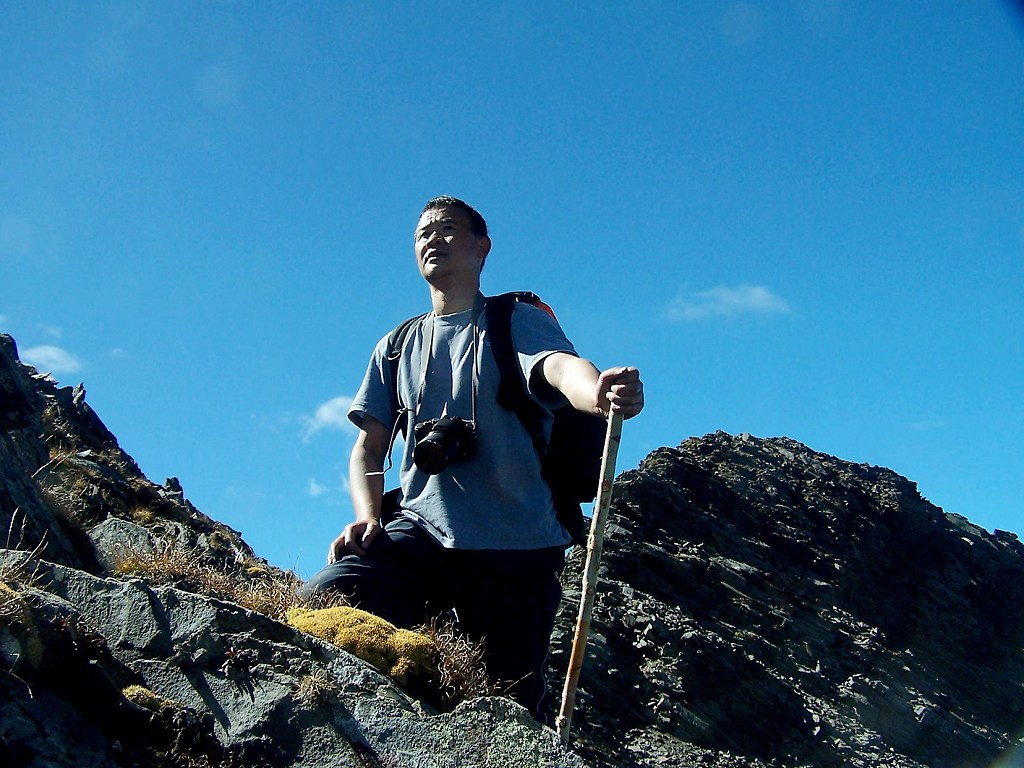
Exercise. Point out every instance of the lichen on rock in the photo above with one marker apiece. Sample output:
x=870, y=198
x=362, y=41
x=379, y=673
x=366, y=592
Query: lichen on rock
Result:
x=145, y=698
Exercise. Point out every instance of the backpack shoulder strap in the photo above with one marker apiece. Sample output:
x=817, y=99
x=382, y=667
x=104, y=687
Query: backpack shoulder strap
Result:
x=565, y=466
x=397, y=337
x=512, y=394
x=392, y=354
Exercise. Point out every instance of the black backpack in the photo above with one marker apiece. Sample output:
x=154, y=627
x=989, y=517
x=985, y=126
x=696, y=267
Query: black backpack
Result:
x=571, y=459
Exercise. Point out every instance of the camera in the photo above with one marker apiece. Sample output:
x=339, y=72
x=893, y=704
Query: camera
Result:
x=441, y=441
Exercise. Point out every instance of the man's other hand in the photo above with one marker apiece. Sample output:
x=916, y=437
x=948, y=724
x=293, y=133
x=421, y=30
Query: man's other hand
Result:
x=354, y=538
x=620, y=390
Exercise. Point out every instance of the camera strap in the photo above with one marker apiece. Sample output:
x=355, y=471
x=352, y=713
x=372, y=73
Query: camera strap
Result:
x=427, y=352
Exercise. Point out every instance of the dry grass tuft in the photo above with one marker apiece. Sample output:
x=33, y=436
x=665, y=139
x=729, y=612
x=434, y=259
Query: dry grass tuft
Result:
x=460, y=662
x=265, y=593
x=24, y=646
x=18, y=576
x=141, y=515
x=16, y=570
x=11, y=604
x=312, y=688
x=269, y=596
x=168, y=564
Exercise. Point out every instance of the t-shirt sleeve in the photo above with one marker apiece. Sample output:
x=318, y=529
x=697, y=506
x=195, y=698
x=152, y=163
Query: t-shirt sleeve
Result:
x=376, y=396
x=535, y=335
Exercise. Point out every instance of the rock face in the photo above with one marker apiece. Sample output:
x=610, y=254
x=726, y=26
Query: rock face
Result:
x=232, y=688
x=760, y=604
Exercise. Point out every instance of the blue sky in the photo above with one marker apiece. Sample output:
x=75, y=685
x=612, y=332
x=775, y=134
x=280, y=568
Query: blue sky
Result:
x=799, y=218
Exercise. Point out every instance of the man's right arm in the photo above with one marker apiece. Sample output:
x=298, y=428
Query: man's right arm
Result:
x=366, y=483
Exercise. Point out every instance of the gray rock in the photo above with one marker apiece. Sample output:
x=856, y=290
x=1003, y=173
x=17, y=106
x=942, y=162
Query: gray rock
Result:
x=241, y=674
x=114, y=538
x=774, y=605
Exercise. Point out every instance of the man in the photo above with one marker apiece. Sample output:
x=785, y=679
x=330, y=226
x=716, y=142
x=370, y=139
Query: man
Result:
x=480, y=536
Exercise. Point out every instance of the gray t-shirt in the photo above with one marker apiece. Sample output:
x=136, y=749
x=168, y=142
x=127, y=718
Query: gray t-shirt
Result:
x=497, y=499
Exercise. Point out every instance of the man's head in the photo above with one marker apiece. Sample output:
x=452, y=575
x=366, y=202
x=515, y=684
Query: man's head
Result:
x=476, y=221
x=451, y=243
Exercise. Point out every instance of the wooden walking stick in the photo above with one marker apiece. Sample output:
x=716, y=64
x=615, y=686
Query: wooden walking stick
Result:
x=595, y=542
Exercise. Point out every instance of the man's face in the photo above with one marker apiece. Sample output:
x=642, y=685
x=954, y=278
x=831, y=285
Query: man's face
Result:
x=446, y=248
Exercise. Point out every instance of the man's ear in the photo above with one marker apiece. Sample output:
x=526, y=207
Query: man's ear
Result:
x=483, y=247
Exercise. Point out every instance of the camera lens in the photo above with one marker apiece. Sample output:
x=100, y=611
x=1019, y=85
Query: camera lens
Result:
x=430, y=455
x=442, y=441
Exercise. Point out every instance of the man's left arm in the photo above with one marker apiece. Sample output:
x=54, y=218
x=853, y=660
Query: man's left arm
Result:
x=589, y=390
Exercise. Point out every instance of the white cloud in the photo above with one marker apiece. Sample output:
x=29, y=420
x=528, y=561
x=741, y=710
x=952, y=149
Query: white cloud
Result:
x=330, y=416
x=726, y=302
x=317, y=490
x=52, y=359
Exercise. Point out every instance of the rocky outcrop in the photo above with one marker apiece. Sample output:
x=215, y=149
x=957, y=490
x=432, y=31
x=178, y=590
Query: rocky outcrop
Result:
x=104, y=670
x=64, y=479
x=226, y=687
x=762, y=603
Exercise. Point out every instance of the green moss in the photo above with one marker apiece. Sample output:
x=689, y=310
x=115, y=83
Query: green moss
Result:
x=399, y=653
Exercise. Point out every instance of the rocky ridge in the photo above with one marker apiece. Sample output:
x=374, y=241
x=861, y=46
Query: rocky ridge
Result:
x=765, y=604
x=761, y=604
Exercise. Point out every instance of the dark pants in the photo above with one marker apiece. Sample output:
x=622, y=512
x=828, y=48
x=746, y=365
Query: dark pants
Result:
x=506, y=598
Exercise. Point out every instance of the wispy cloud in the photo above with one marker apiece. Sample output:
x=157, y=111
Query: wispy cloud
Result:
x=331, y=416
x=317, y=490
x=725, y=302
x=52, y=359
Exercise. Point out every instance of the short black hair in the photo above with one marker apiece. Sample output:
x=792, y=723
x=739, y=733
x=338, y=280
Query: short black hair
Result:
x=476, y=221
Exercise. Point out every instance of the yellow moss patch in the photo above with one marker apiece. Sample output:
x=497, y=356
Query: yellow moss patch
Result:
x=399, y=653
x=145, y=698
